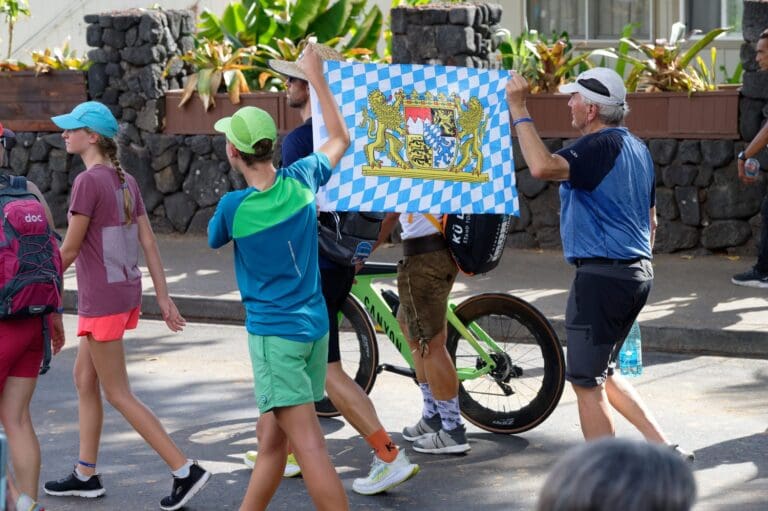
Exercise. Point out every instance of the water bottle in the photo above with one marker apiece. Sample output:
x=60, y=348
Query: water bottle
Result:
x=3, y=461
x=631, y=354
x=751, y=167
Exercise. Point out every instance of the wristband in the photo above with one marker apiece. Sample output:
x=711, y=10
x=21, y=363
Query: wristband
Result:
x=520, y=121
x=742, y=156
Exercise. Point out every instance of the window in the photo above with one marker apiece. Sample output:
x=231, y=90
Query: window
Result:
x=707, y=14
x=590, y=19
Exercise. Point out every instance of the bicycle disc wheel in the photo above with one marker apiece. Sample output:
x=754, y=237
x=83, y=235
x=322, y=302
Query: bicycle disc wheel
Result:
x=528, y=380
x=359, y=351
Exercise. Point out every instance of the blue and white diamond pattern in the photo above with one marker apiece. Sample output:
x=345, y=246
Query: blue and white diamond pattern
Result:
x=349, y=190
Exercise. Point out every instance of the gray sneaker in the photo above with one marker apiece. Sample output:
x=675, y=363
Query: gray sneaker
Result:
x=423, y=428
x=453, y=441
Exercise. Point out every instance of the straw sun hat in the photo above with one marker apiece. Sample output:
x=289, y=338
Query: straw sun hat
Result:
x=292, y=70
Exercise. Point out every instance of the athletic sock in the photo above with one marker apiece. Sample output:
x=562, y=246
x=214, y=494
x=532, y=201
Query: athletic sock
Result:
x=383, y=446
x=450, y=415
x=183, y=471
x=430, y=406
x=80, y=475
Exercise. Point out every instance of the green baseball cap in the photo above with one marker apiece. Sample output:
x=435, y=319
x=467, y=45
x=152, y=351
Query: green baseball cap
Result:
x=246, y=127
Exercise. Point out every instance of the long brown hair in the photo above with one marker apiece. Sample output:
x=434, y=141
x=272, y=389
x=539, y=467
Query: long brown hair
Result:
x=108, y=148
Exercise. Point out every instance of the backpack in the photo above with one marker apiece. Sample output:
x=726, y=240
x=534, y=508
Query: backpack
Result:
x=475, y=241
x=347, y=238
x=30, y=269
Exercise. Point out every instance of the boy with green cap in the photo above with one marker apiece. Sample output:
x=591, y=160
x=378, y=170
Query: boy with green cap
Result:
x=273, y=224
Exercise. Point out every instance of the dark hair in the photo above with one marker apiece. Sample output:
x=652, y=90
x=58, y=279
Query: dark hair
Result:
x=264, y=150
x=610, y=474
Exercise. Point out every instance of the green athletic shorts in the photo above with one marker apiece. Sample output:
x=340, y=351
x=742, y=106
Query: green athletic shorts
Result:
x=285, y=372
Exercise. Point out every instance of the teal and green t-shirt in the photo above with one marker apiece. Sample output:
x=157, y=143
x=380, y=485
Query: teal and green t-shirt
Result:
x=275, y=236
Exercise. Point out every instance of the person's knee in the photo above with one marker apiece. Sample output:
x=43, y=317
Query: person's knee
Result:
x=119, y=398
x=86, y=382
x=586, y=391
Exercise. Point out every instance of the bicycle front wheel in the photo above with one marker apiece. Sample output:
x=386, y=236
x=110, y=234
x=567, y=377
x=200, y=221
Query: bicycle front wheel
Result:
x=358, y=348
x=526, y=384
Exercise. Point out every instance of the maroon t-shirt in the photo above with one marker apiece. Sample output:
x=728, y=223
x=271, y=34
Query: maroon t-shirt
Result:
x=107, y=267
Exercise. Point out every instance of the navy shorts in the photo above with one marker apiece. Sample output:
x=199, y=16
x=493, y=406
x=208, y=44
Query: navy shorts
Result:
x=336, y=285
x=604, y=301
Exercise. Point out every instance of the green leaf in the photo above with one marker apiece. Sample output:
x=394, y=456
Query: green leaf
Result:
x=369, y=31
x=331, y=22
x=700, y=45
x=302, y=14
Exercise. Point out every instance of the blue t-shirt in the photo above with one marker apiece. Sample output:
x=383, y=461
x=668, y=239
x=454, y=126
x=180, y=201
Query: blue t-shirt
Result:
x=275, y=236
x=605, y=204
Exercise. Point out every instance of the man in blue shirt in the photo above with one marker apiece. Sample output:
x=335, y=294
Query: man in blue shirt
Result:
x=607, y=224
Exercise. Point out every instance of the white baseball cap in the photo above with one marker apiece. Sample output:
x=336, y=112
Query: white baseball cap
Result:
x=599, y=85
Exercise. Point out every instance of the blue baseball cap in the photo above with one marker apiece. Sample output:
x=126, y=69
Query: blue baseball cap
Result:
x=92, y=115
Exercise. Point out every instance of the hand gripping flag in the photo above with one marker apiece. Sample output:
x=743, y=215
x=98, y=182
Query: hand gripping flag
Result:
x=429, y=139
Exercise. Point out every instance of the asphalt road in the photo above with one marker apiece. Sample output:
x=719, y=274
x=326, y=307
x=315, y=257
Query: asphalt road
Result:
x=199, y=384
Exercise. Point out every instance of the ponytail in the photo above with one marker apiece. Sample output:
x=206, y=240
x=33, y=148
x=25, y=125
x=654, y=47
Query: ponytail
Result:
x=108, y=147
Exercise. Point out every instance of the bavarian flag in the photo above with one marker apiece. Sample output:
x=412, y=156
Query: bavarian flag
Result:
x=425, y=138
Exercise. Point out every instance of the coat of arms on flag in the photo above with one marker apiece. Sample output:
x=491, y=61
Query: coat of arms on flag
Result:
x=424, y=139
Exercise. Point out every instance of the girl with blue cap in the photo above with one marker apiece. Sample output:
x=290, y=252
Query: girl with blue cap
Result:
x=107, y=226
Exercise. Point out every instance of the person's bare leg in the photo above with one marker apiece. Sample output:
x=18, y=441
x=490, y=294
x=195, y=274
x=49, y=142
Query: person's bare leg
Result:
x=625, y=399
x=22, y=440
x=302, y=428
x=436, y=366
x=268, y=470
x=594, y=412
x=109, y=360
x=89, y=406
x=351, y=401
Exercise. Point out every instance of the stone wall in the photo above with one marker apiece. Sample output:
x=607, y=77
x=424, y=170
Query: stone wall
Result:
x=451, y=35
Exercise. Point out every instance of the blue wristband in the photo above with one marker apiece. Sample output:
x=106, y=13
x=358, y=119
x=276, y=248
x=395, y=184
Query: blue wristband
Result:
x=521, y=121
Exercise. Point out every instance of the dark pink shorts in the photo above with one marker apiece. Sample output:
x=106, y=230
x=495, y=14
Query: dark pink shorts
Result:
x=108, y=328
x=21, y=348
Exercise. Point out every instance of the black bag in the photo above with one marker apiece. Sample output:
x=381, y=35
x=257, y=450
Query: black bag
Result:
x=476, y=242
x=347, y=238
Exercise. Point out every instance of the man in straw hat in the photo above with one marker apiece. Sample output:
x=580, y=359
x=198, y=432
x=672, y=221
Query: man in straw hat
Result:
x=390, y=466
x=608, y=221
x=273, y=224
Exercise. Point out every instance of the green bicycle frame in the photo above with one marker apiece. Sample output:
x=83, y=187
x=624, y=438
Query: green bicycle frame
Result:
x=382, y=316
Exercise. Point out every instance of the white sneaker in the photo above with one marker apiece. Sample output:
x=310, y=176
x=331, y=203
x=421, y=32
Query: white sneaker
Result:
x=292, y=468
x=384, y=476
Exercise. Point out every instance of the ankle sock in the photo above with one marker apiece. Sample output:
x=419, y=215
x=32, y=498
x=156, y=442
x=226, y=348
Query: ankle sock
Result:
x=80, y=475
x=450, y=415
x=183, y=471
x=430, y=406
x=383, y=446
x=25, y=503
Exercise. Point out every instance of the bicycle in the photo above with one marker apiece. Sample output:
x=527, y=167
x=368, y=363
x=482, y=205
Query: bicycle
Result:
x=508, y=358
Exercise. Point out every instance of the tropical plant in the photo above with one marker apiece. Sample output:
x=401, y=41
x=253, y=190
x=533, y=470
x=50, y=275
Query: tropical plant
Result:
x=262, y=22
x=215, y=63
x=12, y=9
x=667, y=66
x=545, y=65
x=58, y=59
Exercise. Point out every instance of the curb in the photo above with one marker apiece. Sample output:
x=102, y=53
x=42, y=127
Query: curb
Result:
x=667, y=339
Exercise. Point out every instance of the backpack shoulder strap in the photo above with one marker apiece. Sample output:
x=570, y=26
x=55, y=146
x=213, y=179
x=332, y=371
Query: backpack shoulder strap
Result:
x=434, y=222
x=18, y=182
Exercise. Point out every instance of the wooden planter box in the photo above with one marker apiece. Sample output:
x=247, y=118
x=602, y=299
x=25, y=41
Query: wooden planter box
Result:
x=27, y=102
x=705, y=115
x=192, y=120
